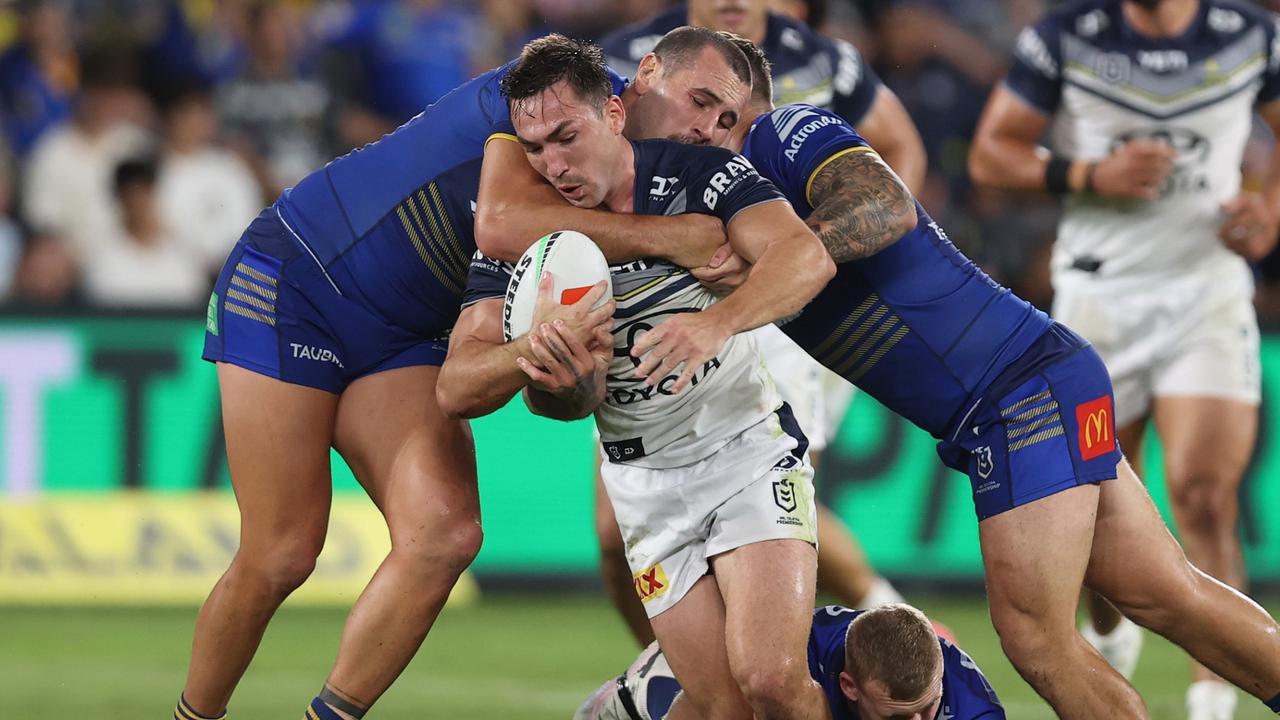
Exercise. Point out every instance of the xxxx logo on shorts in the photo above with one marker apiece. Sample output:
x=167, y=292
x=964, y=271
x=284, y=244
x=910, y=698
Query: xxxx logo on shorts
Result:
x=1096, y=420
x=650, y=583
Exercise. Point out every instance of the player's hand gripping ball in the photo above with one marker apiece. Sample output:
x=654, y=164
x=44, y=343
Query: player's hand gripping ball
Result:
x=575, y=265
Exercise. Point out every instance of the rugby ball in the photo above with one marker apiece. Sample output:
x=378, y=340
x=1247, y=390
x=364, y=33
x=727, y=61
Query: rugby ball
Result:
x=574, y=262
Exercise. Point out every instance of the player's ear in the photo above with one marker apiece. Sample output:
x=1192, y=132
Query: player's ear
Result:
x=615, y=113
x=646, y=73
x=848, y=687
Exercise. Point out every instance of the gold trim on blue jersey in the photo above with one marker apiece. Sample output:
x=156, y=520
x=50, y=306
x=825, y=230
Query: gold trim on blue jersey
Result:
x=454, y=247
x=879, y=354
x=501, y=136
x=427, y=259
x=1041, y=436
x=255, y=274
x=849, y=320
x=835, y=156
x=251, y=300
x=253, y=287
x=251, y=314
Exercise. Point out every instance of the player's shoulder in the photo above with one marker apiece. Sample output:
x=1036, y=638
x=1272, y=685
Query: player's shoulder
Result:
x=788, y=40
x=1077, y=17
x=632, y=42
x=670, y=158
x=1233, y=17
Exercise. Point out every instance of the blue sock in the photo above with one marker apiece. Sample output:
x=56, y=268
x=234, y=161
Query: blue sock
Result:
x=319, y=710
x=183, y=711
x=1274, y=704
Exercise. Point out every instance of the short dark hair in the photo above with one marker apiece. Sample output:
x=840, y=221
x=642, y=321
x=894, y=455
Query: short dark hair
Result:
x=135, y=171
x=761, y=70
x=896, y=645
x=682, y=46
x=548, y=60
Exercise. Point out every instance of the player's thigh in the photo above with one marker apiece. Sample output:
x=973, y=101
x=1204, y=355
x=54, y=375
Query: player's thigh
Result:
x=278, y=436
x=1135, y=562
x=1035, y=557
x=691, y=634
x=417, y=465
x=768, y=591
x=1206, y=440
x=608, y=534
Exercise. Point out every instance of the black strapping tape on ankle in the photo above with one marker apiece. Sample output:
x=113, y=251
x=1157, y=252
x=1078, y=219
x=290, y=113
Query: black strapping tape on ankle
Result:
x=331, y=698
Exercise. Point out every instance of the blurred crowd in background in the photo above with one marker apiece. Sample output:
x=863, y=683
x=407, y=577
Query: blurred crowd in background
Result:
x=139, y=137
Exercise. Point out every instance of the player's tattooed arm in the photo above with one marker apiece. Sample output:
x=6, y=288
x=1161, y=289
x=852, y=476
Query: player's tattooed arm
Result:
x=570, y=384
x=860, y=207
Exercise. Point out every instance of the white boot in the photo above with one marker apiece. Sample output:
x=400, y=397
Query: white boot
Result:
x=1120, y=647
x=1211, y=700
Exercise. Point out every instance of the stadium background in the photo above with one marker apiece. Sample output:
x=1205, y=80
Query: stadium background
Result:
x=115, y=517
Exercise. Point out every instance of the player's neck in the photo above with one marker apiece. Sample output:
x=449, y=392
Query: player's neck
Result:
x=753, y=31
x=621, y=198
x=1170, y=18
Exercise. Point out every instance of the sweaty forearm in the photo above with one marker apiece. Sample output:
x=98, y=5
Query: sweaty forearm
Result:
x=505, y=230
x=784, y=278
x=480, y=377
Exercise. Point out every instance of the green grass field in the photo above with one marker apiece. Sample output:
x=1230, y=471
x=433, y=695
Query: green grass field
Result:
x=504, y=657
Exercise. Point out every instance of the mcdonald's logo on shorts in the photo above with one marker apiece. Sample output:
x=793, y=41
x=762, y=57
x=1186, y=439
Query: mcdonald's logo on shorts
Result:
x=1096, y=420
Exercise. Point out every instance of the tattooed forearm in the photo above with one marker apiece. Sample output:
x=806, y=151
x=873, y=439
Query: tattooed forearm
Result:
x=859, y=207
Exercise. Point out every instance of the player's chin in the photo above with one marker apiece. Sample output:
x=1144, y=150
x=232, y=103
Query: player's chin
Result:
x=687, y=139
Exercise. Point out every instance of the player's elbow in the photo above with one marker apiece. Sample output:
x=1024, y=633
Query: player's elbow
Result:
x=457, y=400
x=820, y=268
x=497, y=233
x=983, y=167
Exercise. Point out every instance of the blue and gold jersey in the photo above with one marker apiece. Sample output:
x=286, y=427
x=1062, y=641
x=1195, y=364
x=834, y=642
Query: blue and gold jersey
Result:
x=807, y=66
x=966, y=693
x=918, y=326
x=391, y=223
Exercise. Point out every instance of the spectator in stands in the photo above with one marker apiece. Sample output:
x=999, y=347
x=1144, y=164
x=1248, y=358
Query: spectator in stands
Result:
x=10, y=236
x=38, y=75
x=207, y=194
x=141, y=263
x=276, y=116
x=391, y=58
x=67, y=188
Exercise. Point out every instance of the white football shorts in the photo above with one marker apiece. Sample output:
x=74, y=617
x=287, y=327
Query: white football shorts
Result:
x=757, y=487
x=819, y=397
x=1193, y=336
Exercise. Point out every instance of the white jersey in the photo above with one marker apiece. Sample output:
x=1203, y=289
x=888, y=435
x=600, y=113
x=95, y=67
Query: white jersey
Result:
x=651, y=426
x=1104, y=85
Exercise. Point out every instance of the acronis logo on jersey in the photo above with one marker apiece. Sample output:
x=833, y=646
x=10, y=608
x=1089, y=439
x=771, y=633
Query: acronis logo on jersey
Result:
x=810, y=127
x=735, y=171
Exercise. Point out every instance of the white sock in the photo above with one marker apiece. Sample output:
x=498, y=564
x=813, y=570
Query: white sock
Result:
x=882, y=592
x=1211, y=700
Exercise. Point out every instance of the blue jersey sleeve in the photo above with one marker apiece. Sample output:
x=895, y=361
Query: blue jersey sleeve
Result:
x=854, y=85
x=730, y=186
x=1036, y=72
x=487, y=279
x=966, y=692
x=793, y=143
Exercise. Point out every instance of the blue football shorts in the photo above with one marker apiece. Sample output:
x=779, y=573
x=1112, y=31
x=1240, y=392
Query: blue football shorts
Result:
x=1045, y=425
x=274, y=311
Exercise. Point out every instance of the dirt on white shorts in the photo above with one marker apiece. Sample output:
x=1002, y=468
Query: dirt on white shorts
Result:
x=1195, y=336
x=757, y=487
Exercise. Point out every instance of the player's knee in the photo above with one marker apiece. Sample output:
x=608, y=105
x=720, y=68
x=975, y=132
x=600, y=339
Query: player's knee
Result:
x=1026, y=636
x=770, y=688
x=1206, y=500
x=281, y=570
x=460, y=542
